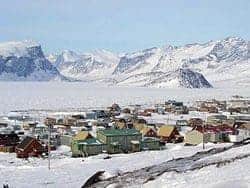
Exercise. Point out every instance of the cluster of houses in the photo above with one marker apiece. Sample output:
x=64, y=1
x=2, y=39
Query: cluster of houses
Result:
x=128, y=129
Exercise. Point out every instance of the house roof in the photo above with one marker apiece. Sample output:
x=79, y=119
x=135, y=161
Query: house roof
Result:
x=91, y=141
x=166, y=130
x=150, y=139
x=145, y=130
x=26, y=141
x=82, y=135
x=138, y=126
x=119, y=132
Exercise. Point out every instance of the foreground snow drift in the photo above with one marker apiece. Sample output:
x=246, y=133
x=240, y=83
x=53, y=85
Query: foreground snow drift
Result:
x=73, y=172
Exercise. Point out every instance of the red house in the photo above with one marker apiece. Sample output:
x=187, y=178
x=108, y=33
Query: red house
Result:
x=29, y=147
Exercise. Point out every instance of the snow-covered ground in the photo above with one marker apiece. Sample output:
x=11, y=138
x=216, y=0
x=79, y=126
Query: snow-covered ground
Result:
x=73, y=172
x=65, y=95
x=232, y=175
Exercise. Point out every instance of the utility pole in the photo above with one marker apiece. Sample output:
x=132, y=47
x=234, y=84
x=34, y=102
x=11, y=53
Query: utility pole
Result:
x=49, y=148
x=203, y=130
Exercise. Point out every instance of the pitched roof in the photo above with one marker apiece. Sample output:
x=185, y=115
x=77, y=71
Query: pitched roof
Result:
x=91, y=141
x=119, y=132
x=26, y=141
x=165, y=130
x=145, y=130
x=82, y=135
x=138, y=126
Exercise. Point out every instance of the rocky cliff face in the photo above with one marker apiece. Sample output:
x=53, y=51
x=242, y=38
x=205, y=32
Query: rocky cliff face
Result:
x=25, y=61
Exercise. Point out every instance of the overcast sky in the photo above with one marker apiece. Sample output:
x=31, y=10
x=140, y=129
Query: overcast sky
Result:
x=122, y=25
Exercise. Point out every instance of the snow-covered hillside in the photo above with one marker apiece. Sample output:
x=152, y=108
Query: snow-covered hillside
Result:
x=222, y=61
x=25, y=61
x=179, y=78
x=89, y=66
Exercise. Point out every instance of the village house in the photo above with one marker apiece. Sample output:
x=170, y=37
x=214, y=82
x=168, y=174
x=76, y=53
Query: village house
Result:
x=123, y=122
x=244, y=130
x=150, y=143
x=148, y=132
x=84, y=144
x=50, y=121
x=195, y=137
x=115, y=108
x=120, y=140
x=66, y=139
x=192, y=122
x=70, y=121
x=126, y=111
x=79, y=137
x=212, y=133
x=169, y=133
x=3, y=124
x=226, y=131
x=176, y=107
x=235, y=103
x=101, y=114
x=90, y=115
x=209, y=109
x=29, y=147
x=211, y=105
x=240, y=118
x=181, y=123
x=8, y=142
x=139, y=123
x=216, y=119
x=90, y=146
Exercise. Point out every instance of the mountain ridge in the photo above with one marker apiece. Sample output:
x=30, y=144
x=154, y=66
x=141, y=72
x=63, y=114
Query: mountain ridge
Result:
x=228, y=58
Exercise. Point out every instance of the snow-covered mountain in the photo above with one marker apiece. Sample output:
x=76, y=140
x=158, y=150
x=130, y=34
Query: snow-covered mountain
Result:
x=25, y=61
x=222, y=61
x=179, y=78
x=219, y=62
x=88, y=66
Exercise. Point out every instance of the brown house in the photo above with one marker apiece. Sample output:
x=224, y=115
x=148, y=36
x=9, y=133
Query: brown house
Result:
x=8, y=142
x=29, y=147
x=195, y=122
x=168, y=133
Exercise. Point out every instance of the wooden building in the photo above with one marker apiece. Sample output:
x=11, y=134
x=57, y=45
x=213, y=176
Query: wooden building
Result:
x=169, y=133
x=148, y=132
x=8, y=142
x=150, y=143
x=29, y=147
x=120, y=140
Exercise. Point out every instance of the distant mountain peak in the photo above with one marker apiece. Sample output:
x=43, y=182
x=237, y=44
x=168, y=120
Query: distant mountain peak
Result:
x=17, y=48
x=156, y=66
x=25, y=60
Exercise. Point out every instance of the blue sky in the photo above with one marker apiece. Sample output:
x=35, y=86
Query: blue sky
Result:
x=122, y=25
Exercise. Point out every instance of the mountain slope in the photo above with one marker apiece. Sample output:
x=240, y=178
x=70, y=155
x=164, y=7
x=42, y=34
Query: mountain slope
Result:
x=220, y=61
x=25, y=61
x=179, y=78
x=92, y=66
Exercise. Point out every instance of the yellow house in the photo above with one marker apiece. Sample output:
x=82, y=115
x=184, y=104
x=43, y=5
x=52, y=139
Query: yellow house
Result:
x=195, y=137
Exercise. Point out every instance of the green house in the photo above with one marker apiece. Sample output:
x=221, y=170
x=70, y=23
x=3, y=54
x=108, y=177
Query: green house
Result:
x=150, y=143
x=120, y=140
x=84, y=148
